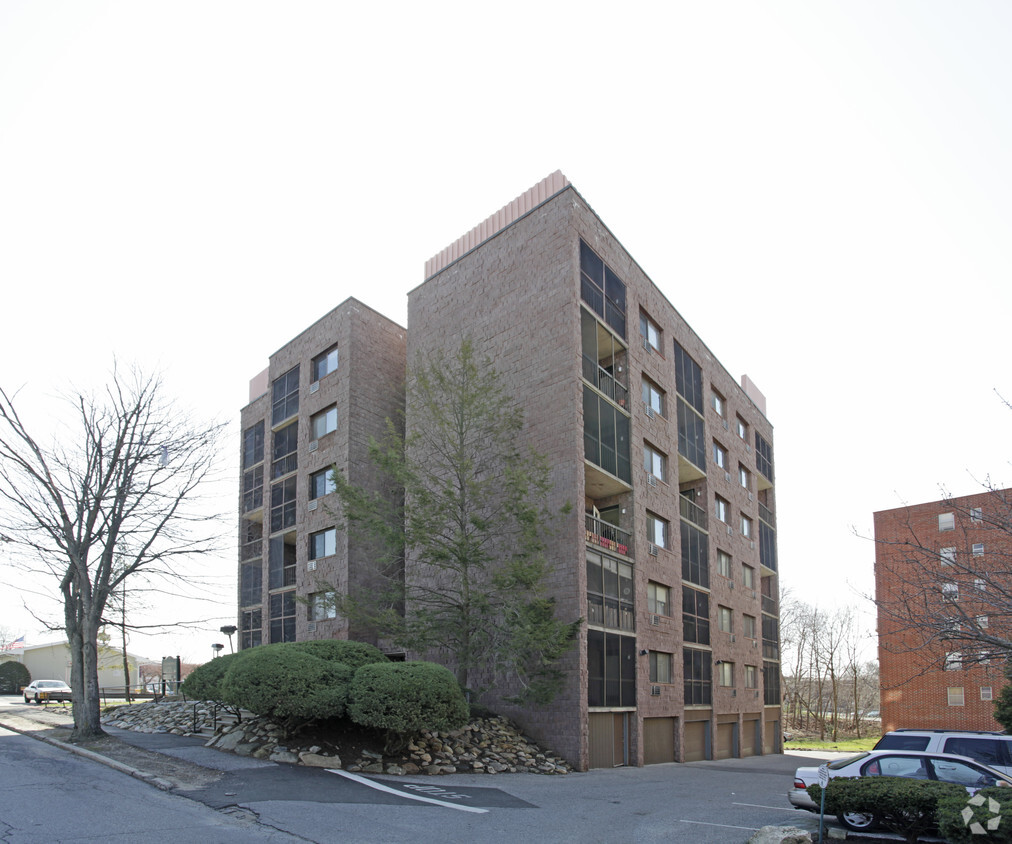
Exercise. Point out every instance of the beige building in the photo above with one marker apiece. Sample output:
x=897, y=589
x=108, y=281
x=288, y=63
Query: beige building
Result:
x=51, y=661
x=669, y=553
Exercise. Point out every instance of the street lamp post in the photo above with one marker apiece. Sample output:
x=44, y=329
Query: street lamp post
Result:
x=229, y=630
x=217, y=647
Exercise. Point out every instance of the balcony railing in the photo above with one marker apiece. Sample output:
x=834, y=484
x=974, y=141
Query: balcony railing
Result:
x=605, y=382
x=766, y=514
x=769, y=605
x=691, y=512
x=607, y=535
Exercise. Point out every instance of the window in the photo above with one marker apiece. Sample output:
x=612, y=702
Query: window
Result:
x=725, y=673
x=742, y=429
x=609, y=593
x=976, y=515
x=946, y=521
x=720, y=455
x=660, y=667
x=321, y=483
x=253, y=489
x=323, y=543
x=250, y=629
x=601, y=289
x=979, y=584
x=322, y=605
x=655, y=462
x=723, y=563
x=771, y=683
x=251, y=536
x=982, y=622
x=250, y=584
x=748, y=627
x=697, y=675
x=325, y=363
x=285, y=455
x=253, y=445
x=285, y=394
x=947, y=556
x=950, y=591
x=953, y=661
x=985, y=693
x=978, y=549
x=746, y=525
x=650, y=332
x=653, y=397
x=611, y=669
x=751, y=676
x=605, y=359
x=747, y=576
x=605, y=435
x=744, y=477
x=283, y=616
x=324, y=422
x=658, y=599
x=695, y=616
x=283, y=495
x=657, y=530
x=764, y=457
x=720, y=508
x=717, y=400
x=280, y=564
x=954, y=694
x=725, y=620
x=695, y=554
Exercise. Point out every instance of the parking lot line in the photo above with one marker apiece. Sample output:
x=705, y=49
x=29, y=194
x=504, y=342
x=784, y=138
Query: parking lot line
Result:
x=421, y=799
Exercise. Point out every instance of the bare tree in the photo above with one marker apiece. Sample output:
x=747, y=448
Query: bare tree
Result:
x=117, y=500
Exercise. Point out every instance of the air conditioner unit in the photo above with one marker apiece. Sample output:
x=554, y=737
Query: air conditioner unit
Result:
x=726, y=428
x=748, y=448
x=655, y=690
x=312, y=504
x=727, y=476
x=750, y=496
x=314, y=387
x=314, y=444
x=311, y=565
x=647, y=346
x=651, y=479
x=733, y=638
x=730, y=531
x=753, y=593
x=730, y=584
x=755, y=644
x=311, y=627
x=652, y=550
x=751, y=544
x=650, y=411
x=655, y=620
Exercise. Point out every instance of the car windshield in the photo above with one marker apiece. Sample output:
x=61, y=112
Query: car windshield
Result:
x=51, y=684
x=836, y=764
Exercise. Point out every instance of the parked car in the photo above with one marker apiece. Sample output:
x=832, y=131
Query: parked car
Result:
x=943, y=767
x=41, y=690
x=991, y=749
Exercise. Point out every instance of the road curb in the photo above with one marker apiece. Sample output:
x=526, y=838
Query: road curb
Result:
x=136, y=773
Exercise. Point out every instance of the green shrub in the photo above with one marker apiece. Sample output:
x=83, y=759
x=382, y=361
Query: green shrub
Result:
x=352, y=654
x=284, y=683
x=13, y=676
x=973, y=827
x=905, y=806
x=404, y=698
x=204, y=682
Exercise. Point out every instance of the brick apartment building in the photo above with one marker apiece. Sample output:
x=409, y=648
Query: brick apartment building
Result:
x=941, y=580
x=670, y=457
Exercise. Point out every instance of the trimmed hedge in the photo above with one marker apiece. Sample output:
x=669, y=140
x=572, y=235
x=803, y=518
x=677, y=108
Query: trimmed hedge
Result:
x=352, y=654
x=972, y=828
x=284, y=683
x=13, y=675
x=204, y=682
x=905, y=806
x=404, y=698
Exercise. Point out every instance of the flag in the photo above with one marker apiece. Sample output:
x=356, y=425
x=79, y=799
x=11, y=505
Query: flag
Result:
x=17, y=644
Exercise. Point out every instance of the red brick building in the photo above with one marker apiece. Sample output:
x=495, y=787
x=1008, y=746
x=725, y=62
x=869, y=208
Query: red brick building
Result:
x=943, y=587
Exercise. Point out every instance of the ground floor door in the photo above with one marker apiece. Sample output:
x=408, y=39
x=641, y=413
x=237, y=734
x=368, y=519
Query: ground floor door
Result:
x=659, y=740
x=609, y=739
x=723, y=745
x=750, y=737
x=694, y=749
x=771, y=737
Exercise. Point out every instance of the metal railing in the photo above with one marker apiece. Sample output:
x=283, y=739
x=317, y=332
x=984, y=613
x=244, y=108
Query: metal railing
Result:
x=691, y=512
x=607, y=535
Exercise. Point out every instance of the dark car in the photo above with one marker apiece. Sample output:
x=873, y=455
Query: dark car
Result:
x=41, y=690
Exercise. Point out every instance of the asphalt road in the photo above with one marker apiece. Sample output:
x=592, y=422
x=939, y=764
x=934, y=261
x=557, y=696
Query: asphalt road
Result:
x=702, y=802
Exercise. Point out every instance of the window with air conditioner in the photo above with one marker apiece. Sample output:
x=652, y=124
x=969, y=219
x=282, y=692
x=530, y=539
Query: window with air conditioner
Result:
x=725, y=619
x=725, y=673
x=660, y=667
x=653, y=397
x=323, y=543
x=325, y=363
x=657, y=530
x=721, y=508
x=655, y=462
x=650, y=332
x=324, y=422
x=723, y=563
x=947, y=556
x=946, y=521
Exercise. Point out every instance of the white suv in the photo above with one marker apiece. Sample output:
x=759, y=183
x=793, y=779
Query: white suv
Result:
x=991, y=749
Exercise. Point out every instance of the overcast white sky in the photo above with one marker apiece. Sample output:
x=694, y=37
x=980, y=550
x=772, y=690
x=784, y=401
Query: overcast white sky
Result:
x=822, y=189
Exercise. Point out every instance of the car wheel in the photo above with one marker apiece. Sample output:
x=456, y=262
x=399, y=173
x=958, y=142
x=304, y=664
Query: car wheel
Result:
x=27, y=699
x=856, y=821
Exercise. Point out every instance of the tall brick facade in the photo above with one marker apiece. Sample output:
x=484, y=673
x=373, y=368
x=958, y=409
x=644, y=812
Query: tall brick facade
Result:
x=669, y=549
x=940, y=574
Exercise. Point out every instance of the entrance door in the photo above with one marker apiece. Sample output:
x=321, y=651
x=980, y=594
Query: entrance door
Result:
x=658, y=740
x=609, y=739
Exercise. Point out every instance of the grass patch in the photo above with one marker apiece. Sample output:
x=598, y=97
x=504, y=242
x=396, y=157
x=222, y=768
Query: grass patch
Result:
x=850, y=745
